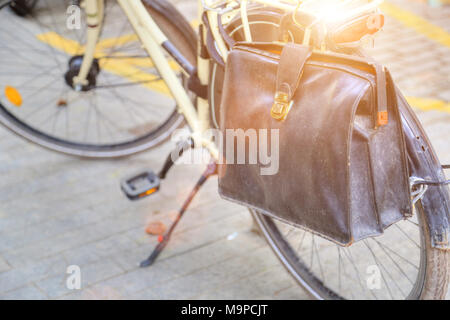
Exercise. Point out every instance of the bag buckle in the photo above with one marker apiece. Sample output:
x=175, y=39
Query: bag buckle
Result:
x=382, y=118
x=281, y=106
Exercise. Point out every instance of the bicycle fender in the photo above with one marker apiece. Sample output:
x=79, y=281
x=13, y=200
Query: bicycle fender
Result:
x=169, y=11
x=424, y=163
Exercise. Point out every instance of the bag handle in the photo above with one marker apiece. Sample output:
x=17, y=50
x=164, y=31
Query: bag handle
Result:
x=290, y=70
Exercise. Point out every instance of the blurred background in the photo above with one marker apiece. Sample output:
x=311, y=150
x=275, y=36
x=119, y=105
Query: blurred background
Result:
x=57, y=210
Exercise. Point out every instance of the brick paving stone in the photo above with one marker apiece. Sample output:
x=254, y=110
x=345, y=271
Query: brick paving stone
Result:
x=445, y=95
x=4, y=266
x=29, y=292
x=20, y=276
x=55, y=286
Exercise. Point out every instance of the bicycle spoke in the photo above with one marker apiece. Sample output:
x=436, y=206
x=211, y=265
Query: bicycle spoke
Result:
x=382, y=275
x=412, y=222
x=39, y=108
x=289, y=232
x=407, y=236
x=40, y=90
x=55, y=119
x=66, y=113
x=107, y=121
x=57, y=29
x=347, y=276
x=339, y=268
x=86, y=124
x=355, y=268
x=34, y=78
x=398, y=255
x=395, y=263
x=320, y=264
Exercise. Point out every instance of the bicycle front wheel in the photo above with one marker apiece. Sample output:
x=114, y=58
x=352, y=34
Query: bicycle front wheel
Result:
x=127, y=107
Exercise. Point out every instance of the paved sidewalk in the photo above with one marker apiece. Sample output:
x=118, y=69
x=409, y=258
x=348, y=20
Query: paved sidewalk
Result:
x=57, y=211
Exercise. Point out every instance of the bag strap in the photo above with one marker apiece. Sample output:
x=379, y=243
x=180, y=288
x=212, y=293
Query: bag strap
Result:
x=210, y=45
x=382, y=110
x=230, y=42
x=290, y=70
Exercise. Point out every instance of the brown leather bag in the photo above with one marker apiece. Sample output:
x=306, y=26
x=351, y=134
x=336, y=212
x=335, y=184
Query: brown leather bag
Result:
x=342, y=159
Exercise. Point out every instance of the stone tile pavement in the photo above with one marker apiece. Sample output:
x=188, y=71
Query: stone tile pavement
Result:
x=57, y=211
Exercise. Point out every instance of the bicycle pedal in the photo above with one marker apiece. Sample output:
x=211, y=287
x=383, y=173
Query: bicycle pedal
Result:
x=141, y=185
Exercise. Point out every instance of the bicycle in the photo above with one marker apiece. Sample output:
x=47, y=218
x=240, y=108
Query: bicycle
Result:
x=411, y=258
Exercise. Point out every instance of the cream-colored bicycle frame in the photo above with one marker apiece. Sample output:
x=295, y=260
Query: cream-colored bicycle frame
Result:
x=152, y=39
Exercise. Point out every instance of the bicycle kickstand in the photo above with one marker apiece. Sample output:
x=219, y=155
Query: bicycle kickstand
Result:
x=164, y=239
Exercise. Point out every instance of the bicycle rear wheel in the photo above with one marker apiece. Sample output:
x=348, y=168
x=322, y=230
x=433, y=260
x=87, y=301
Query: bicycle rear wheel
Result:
x=400, y=264
x=128, y=108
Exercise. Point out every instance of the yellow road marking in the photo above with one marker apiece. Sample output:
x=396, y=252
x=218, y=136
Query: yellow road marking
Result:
x=417, y=23
x=421, y=26
x=118, y=41
x=129, y=68
x=54, y=40
x=429, y=104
